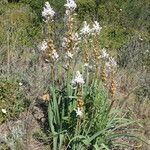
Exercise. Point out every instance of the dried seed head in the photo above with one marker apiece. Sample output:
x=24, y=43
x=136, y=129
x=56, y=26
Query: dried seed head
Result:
x=103, y=76
x=96, y=54
x=86, y=57
x=112, y=88
x=50, y=45
x=51, y=54
x=79, y=93
x=80, y=102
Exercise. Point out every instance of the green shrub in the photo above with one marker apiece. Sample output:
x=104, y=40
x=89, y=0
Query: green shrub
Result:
x=3, y=2
x=134, y=54
x=37, y=6
x=18, y=22
x=12, y=99
x=86, y=9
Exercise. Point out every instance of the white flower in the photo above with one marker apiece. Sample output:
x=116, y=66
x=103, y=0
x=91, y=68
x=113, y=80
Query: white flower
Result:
x=46, y=60
x=54, y=55
x=66, y=65
x=78, y=78
x=76, y=37
x=64, y=42
x=20, y=84
x=86, y=29
x=4, y=111
x=87, y=65
x=79, y=112
x=48, y=12
x=147, y=51
x=96, y=27
x=71, y=5
x=140, y=38
x=43, y=46
x=104, y=54
x=70, y=55
x=67, y=14
x=112, y=62
x=108, y=67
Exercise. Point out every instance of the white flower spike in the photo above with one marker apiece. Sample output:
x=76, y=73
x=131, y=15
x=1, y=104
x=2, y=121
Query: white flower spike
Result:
x=96, y=27
x=55, y=55
x=69, y=54
x=71, y=5
x=48, y=13
x=104, y=54
x=43, y=46
x=78, y=79
x=86, y=29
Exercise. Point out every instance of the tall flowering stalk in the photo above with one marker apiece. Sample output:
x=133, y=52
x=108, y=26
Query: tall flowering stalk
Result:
x=78, y=82
x=48, y=14
x=47, y=46
x=104, y=70
x=70, y=40
x=89, y=33
x=96, y=31
x=108, y=73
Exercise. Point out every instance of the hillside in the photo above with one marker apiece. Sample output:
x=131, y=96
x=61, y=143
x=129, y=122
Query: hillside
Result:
x=75, y=74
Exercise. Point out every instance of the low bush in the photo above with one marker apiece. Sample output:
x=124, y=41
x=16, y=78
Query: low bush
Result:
x=13, y=100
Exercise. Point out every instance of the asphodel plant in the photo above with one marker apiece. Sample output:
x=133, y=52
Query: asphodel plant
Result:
x=78, y=110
